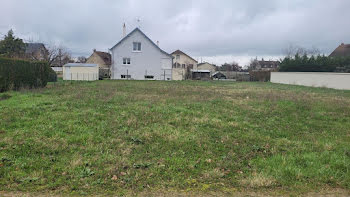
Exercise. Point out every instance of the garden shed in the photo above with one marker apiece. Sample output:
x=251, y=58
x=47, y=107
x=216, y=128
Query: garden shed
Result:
x=200, y=74
x=80, y=72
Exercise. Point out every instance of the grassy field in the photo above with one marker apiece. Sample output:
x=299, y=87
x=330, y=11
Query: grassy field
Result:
x=124, y=137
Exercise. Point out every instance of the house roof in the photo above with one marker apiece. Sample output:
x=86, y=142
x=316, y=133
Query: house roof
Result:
x=79, y=65
x=135, y=30
x=200, y=71
x=341, y=50
x=218, y=73
x=33, y=47
x=205, y=63
x=106, y=57
x=180, y=52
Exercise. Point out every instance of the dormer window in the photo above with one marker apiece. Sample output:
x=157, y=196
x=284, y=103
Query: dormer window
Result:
x=136, y=46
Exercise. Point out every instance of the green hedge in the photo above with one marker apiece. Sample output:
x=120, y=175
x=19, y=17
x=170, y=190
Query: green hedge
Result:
x=314, y=64
x=52, y=76
x=16, y=74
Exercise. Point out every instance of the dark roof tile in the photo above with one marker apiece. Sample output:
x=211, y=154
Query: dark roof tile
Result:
x=106, y=57
x=341, y=51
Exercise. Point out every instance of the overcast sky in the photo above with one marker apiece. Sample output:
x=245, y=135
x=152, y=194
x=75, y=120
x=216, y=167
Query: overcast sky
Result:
x=212, y=30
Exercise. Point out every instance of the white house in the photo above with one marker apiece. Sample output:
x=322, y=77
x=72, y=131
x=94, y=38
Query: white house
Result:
x=136, y=56
x=80, y=72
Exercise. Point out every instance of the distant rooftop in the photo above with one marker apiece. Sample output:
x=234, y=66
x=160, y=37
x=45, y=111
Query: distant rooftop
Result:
x=106, y=57
x=341, y=51
x=33, y=47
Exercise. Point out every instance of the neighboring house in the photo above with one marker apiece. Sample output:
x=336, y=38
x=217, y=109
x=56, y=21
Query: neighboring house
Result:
x=207, y=66
x=80, y=72
x=136, y=56
x=264, y=65
x=36, y=51
x=182, y=64
x=103, y=60
x=342, y=50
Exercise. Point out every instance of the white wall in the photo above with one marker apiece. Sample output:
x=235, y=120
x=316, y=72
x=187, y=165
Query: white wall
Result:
x=313, y=79
x=80, y=73
x=150, y=60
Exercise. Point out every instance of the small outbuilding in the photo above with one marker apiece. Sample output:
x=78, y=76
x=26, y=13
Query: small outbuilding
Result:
x=218, y=75
x=201, y=74
x=80, y=72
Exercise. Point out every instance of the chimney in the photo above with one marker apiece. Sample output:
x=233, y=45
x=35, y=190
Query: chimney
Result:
x=342, y=43
x=124, y=30
x=94, y=50
x=157, y=43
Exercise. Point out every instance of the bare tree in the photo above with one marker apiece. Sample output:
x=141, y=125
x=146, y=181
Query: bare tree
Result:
x=234, y=66
x=253, y=64
x=57, y=56
x=82, y=59
x=291, y=50
x=314, y=51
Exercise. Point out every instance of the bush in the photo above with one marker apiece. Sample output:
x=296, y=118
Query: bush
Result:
x=16, y=74
x=52, y=76
x=260, y=75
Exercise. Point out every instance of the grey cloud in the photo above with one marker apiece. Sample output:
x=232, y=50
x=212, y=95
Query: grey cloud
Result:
x=199, y=27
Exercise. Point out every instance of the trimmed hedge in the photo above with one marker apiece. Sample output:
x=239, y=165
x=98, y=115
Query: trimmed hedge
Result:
x=314, y=64
x=16, y=74
x=52, y=76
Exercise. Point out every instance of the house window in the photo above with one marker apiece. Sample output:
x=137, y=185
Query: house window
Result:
x=136, y=46
x=125, y=76
x=149, y=76
x=177, y=57
x=183, y=65
x=126, y=61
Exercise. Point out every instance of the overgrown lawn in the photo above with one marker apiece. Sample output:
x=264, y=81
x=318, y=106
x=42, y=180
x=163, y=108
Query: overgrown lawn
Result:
x=121, y=137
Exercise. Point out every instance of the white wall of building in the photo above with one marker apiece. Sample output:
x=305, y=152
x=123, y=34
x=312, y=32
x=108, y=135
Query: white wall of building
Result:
x=80, y=73
x=150, y=61
x=314, y=79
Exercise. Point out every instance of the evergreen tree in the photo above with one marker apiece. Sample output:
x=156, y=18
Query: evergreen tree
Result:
x=12, y=46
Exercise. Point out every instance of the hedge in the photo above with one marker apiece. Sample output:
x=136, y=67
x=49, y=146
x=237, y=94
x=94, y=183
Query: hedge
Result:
x=16, y=74
x=315, y=64
x=260, y=75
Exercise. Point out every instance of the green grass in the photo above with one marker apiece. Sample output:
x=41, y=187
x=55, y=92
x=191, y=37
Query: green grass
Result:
x=119, y=137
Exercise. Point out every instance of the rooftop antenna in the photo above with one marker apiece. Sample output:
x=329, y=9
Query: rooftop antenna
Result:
x=138, y=20
x=124, y=30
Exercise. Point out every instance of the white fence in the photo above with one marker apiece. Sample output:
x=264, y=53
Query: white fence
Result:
x=314, y=79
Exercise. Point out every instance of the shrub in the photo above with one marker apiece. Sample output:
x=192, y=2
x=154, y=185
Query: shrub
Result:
x=260, y=75
x=52, y=76
x=16, y=74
